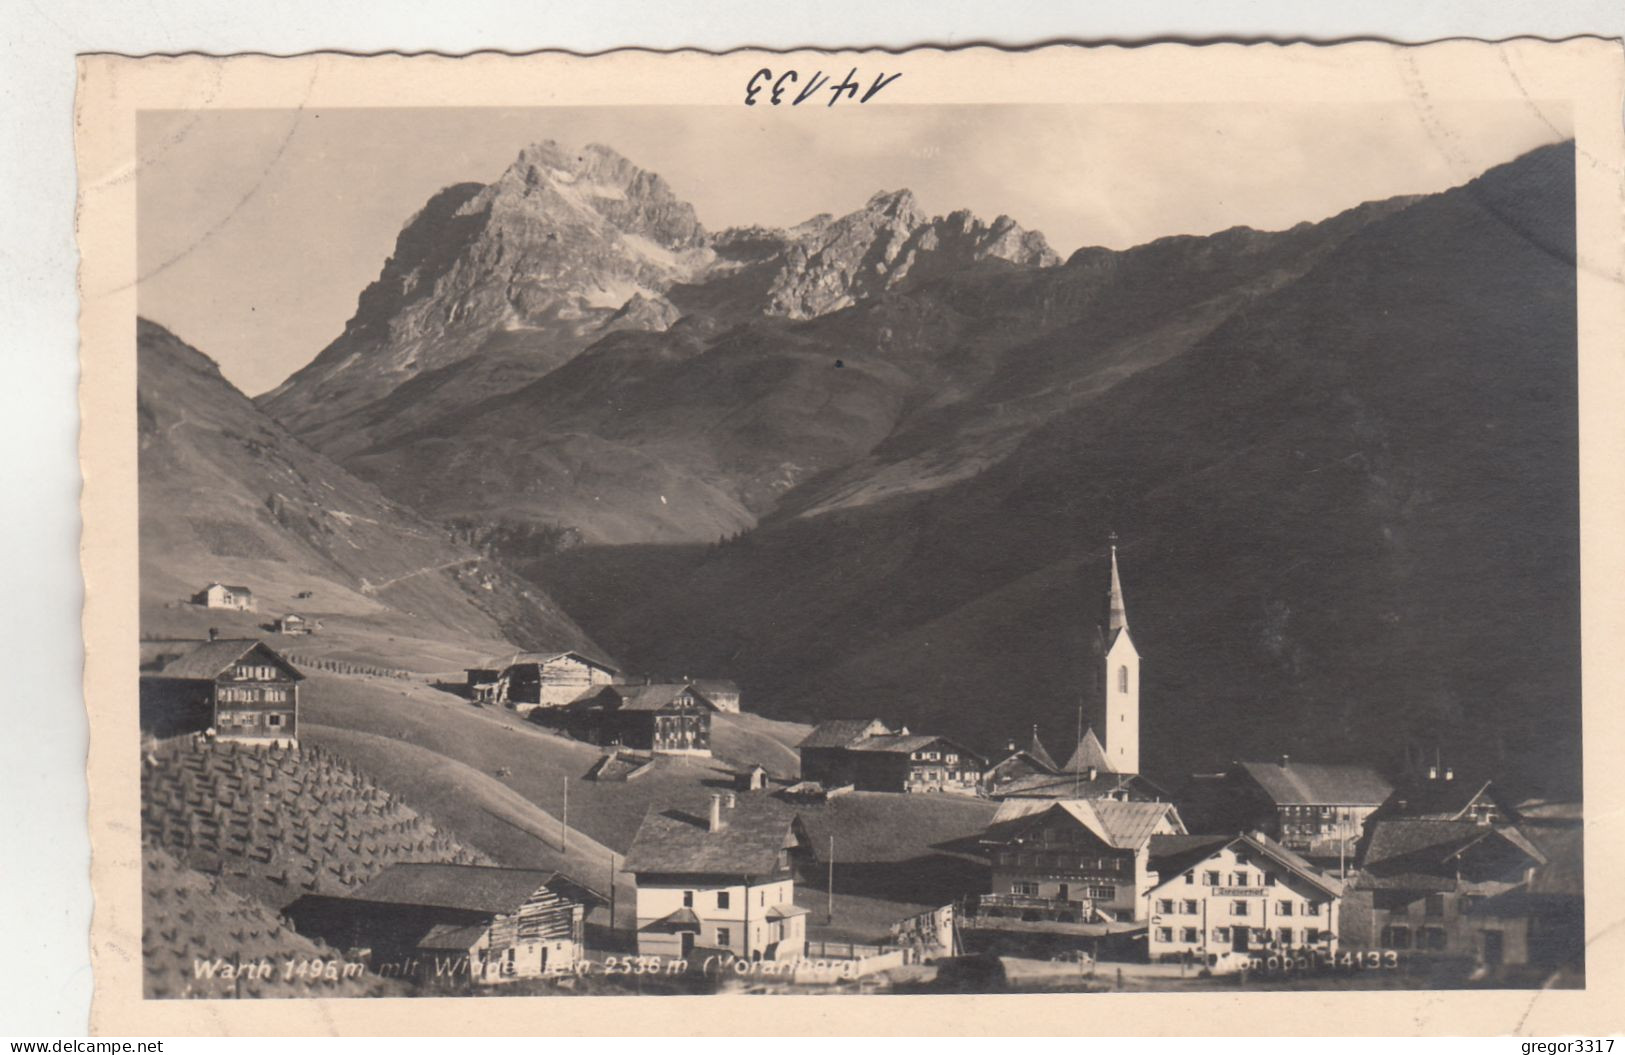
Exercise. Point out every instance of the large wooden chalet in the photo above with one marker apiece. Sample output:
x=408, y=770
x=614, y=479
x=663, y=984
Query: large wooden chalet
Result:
x=1074, y=861
x=722, y=881
x=868, y=755
x=664, y=719
x=239, y=687
x=456, y=923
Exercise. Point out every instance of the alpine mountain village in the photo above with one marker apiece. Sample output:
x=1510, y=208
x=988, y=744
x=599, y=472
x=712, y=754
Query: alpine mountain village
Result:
x=880, y=604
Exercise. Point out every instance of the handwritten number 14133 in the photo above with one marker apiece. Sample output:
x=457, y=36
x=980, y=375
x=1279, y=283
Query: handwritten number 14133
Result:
x=791, y=87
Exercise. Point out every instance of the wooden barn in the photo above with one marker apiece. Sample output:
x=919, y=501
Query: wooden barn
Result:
x=664, y=719
x=456, y=923
x=220, y=595
x=550, y=679
x=239, y=687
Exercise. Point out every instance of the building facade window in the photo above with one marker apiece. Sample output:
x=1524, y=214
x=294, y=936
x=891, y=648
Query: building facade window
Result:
x=1221, y=934
x=722, y=899
x=1122, y=679
x=1190, y=908
x=688, y=899
x=1102, y=893
x=1188, y=934
x=1238, y=908
x=1165, y=906
x=724, y=937
x=1311, y=908
x=1393, y=937
x=1210, y=879
x=1283, y=908
x=1022, y=888
x=1165, y=934
x=1285, y=934
x=1238, y=879
x=1190, y=878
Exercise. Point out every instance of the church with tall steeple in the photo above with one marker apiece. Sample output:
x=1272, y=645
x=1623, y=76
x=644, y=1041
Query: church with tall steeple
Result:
x=1119, y=713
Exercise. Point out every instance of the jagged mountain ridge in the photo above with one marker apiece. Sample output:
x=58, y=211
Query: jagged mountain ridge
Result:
x=494, y=284
x=227, y=494
x=700, y=430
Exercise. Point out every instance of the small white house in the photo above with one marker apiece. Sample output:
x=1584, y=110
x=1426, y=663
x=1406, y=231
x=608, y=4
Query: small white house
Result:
x=220, y=595
x=721, y=883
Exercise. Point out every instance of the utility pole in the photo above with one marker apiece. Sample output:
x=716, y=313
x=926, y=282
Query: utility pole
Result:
x=564, y=828
x=829, y=909
x=612, y=891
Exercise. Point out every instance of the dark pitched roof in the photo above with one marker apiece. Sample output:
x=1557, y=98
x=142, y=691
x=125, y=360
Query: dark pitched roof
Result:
x=654, y=697
x=213, y=658
x=1420, y=853
x=1173, y=855
x=680, y=841
x=1440, y=799
x=1089, y=754
x=840, y=732
x=723, y=685
x=1318, y=783
x=1077, y=786
x=892, y=744
x=471, y=888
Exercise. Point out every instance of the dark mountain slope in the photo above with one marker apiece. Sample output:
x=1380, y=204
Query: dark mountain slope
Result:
x=699, y=430
x=228, y=495
x=1349, y=515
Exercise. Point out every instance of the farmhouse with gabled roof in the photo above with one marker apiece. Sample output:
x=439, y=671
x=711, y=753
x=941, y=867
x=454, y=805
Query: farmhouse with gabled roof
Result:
x=722, y=880
x=240, y=687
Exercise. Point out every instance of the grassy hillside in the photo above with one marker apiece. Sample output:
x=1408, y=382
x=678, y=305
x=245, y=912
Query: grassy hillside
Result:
x=192, y=926
x=277, y=824
x=229, y=495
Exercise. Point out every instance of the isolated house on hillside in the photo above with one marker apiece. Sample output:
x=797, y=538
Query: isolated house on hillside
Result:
x=245, y=690
x=1245, y=893
x=456, y=923
x=721, y=881
x=1074, y=860
x=1313, y=808
x=219, y=595
x=294, y=624
x=662, y=719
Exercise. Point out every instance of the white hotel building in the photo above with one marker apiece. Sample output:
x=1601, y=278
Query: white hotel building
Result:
x=1243, y=893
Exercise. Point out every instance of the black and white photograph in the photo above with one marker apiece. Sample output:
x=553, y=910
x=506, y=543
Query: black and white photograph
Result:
x=812, y=545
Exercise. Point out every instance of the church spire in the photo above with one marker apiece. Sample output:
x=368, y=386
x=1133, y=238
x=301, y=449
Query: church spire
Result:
x=1117, y=614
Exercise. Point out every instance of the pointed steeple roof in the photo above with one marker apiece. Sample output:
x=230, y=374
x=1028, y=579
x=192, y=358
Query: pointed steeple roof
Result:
x=1116, y=611
x=1037, y=753
x=1089, y=754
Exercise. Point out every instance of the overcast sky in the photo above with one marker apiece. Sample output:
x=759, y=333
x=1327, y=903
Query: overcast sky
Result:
x=258, y=229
